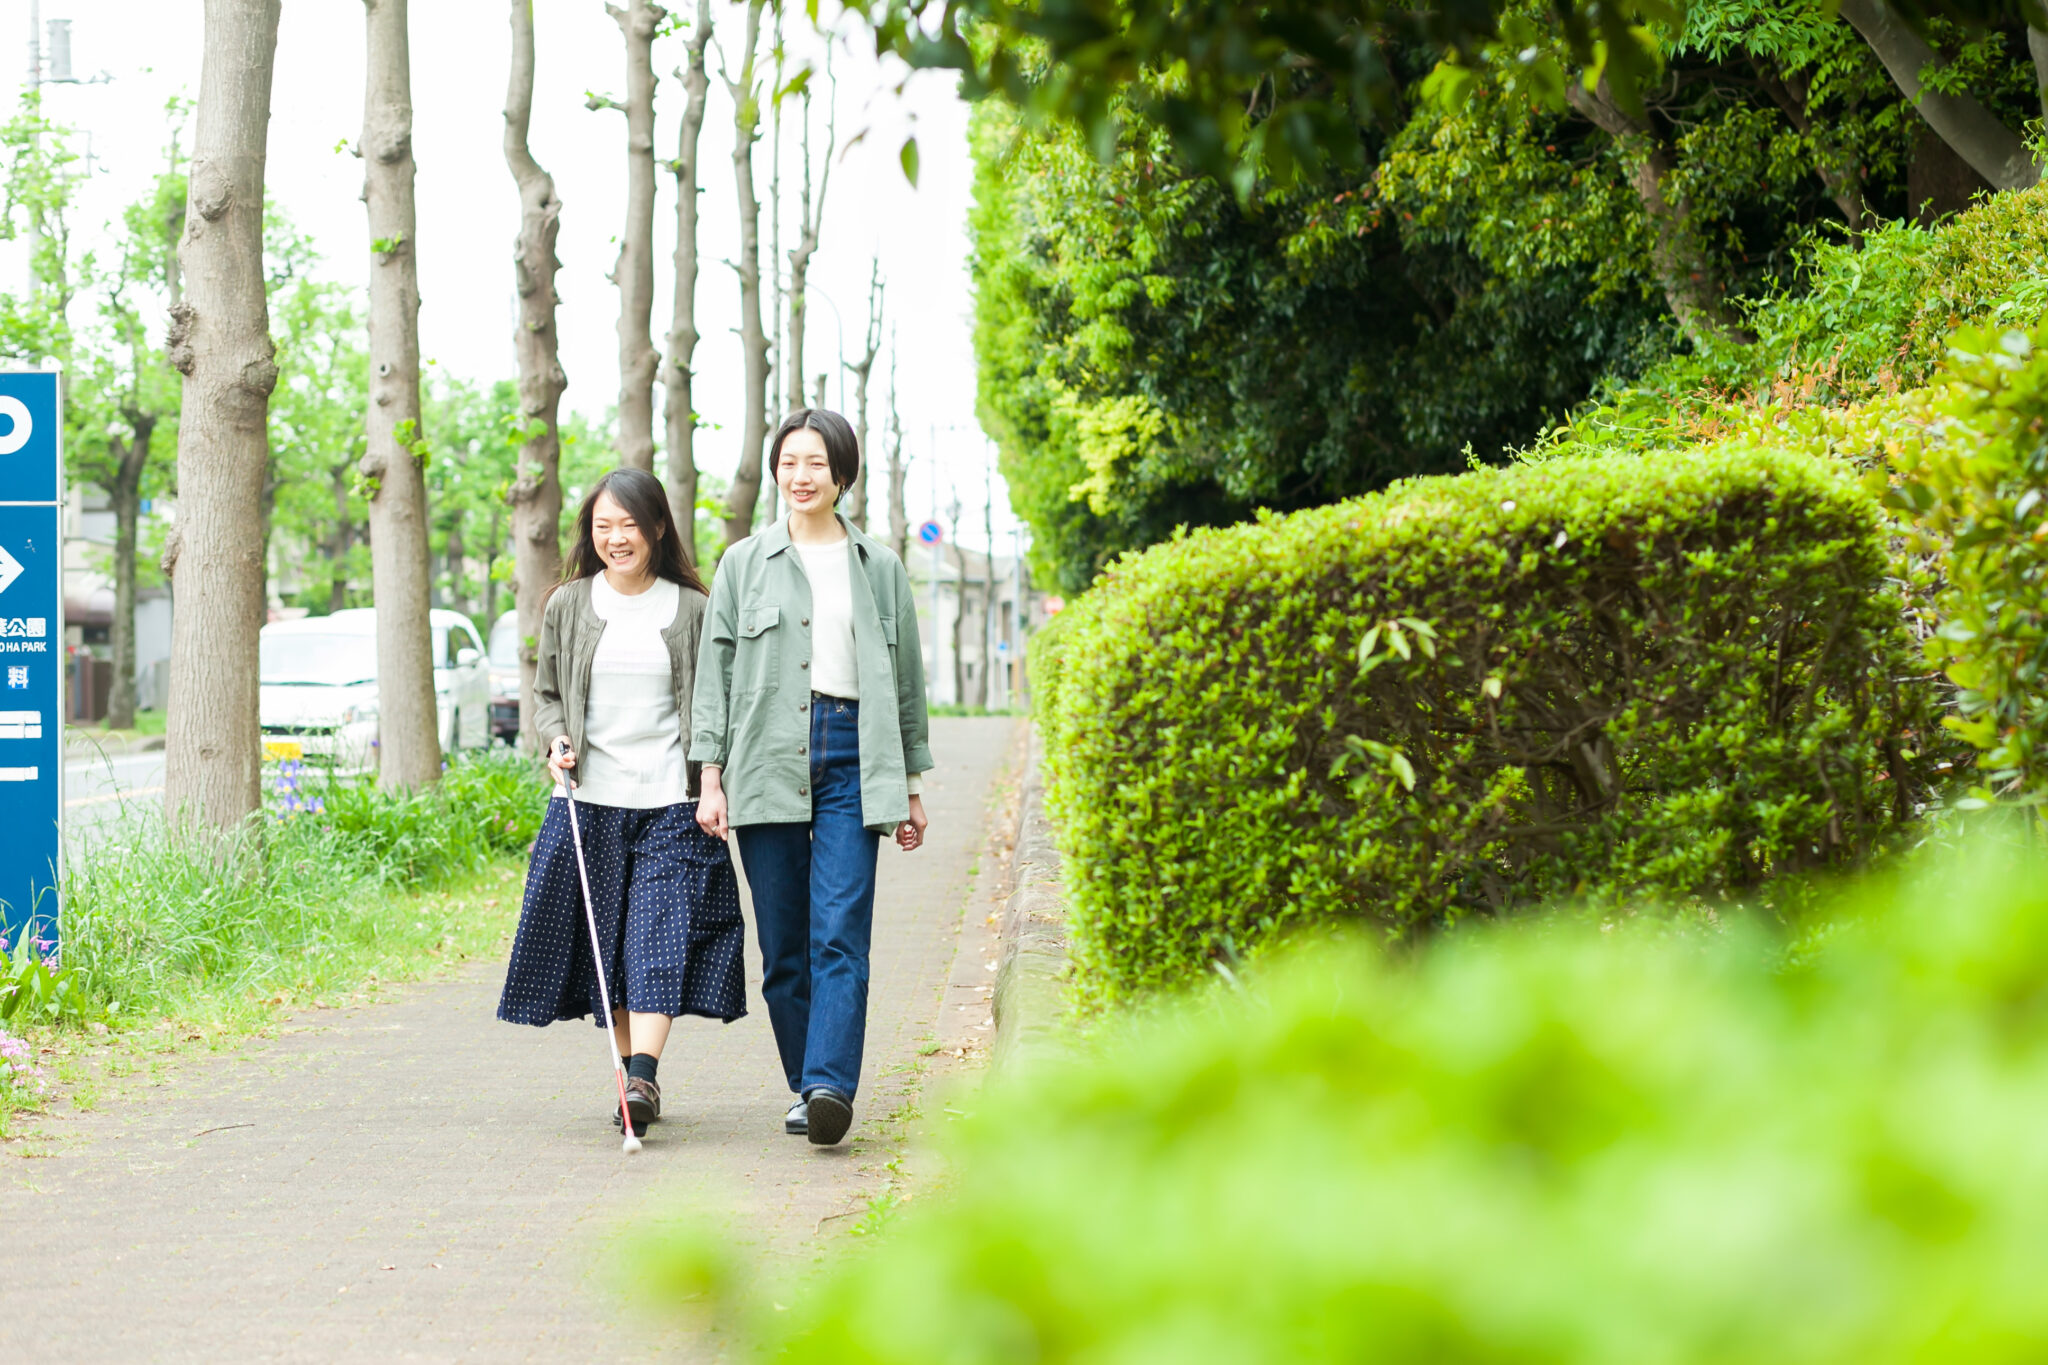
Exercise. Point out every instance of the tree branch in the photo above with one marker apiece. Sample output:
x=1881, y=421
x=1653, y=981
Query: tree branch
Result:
x=1993, y=150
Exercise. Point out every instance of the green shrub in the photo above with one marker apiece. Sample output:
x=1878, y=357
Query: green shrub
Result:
x=162, y=922
x=484, y=805
x=1877, y=317
x=1558, y=1146
x=1977, y=479
x=1669, y=675
x=1857, y=323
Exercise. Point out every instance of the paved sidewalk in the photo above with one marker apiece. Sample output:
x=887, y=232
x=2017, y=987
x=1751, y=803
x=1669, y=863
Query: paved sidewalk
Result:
x=417, y=1182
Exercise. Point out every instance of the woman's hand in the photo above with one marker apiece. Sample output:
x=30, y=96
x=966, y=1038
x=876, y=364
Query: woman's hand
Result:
x=711, y=805
x=561, y=758
x=910, y=834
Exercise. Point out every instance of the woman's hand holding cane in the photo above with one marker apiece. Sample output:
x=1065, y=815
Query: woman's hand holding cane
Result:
x=561, y=758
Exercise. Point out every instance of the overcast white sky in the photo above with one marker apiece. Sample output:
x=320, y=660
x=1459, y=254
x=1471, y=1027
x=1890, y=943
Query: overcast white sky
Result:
x=468, y=208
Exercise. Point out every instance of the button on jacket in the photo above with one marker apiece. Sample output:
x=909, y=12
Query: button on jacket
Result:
x=752, y=710
x=569, y=632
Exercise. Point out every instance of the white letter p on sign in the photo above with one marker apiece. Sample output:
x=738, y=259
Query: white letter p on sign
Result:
x=17, y=412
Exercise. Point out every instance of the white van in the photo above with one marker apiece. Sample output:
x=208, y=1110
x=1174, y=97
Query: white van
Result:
x=319, y=687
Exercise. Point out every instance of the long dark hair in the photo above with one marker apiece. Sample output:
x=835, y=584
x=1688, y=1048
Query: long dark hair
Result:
x=646, y=502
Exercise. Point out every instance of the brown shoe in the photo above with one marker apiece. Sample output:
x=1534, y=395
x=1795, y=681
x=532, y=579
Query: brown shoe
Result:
x=643, y=1101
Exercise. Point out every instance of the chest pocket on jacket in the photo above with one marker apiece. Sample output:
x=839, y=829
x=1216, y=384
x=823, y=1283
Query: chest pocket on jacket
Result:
x=756, y=659
x=888, y=624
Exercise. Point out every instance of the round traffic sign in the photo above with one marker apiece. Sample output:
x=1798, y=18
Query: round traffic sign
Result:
x=931, y=533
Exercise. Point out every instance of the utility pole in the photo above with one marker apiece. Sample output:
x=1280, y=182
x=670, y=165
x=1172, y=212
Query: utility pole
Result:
x=59, y=65
x=932, y=551
x=35, y=90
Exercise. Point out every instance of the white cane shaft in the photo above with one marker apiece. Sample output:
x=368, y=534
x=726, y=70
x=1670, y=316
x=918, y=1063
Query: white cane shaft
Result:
x=604, y=992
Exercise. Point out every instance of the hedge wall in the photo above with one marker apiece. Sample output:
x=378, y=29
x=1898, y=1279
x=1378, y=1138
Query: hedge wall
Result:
x=1677, y=675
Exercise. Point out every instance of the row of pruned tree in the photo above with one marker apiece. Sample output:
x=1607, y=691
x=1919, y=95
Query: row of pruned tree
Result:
x=227, y=298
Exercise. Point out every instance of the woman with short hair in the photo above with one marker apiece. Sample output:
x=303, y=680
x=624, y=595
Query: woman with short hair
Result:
x=809, y=719
x=616, y=670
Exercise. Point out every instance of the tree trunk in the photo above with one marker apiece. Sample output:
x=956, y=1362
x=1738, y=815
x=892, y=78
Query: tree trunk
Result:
x=131, y=458
x=220, y=342
x=1840, y=171
x=1939, y=183
x=778, y=314
x=1691, y=282
x=857, y=496
x=456, y=596
x=1993, y=150
x=490, y=583
x=634, y=271
x=409, y=728
x=536, y=493
x=807, y=242
x=344, y=537
x=679, y=412
x=746, y=478
x=899, y=517
x=2037, y=48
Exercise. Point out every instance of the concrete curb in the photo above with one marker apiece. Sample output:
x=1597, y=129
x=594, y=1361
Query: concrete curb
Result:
x=1030, y=990
x=82, y=743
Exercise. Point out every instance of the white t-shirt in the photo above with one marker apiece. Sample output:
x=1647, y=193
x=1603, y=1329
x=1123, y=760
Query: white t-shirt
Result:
x=633, y=753
x=835, y=669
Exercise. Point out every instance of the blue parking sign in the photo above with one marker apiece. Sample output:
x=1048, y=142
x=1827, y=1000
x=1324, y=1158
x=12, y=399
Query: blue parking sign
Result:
x=31, y=653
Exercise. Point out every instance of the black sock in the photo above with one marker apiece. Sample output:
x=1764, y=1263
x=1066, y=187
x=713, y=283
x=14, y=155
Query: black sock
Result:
x=641, y=1066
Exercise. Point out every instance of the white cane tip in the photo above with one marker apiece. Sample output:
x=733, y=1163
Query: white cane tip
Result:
x=632, y=1144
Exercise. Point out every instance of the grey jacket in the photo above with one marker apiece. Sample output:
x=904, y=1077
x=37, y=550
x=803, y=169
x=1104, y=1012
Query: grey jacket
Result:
x=752, y=714
x=569, y=632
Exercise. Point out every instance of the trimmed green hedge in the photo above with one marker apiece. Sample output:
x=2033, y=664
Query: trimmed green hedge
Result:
x=1669, y=675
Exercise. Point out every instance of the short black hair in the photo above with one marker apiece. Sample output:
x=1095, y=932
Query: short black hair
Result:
x=842, y=451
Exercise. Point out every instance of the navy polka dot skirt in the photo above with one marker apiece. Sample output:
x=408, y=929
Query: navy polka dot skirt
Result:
x=668, y=915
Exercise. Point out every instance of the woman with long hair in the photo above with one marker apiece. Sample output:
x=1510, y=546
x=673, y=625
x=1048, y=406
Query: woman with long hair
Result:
x=809, y=719
x=616, y=669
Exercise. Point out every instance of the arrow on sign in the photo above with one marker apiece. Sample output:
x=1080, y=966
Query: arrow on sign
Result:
x=10, y=569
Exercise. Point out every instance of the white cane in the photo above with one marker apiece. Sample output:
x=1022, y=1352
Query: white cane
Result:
x=604, y=992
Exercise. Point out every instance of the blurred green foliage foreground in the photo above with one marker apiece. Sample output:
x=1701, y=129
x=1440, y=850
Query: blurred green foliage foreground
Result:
x=1550, y=1141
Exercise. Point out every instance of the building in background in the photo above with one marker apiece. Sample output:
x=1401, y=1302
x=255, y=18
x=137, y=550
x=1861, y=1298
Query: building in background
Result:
x=992, y=646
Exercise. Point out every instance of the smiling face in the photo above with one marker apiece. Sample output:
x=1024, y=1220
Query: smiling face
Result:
x=804, y=473
x=621, y=544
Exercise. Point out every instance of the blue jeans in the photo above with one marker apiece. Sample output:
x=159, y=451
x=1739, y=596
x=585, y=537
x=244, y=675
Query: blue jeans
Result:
x=814, y=904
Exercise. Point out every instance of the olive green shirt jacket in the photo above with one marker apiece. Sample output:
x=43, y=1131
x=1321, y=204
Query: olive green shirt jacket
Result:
x=752, y=710
x=569, y=631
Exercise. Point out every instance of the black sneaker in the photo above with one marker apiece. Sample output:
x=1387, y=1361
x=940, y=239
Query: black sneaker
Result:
x=798, y=1119
x=643, y=1100
x=828, y=1114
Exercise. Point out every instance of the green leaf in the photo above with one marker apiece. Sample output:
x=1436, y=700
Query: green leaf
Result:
x=908, y=156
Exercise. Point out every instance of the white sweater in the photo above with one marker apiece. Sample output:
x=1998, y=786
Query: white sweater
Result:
x=835, y=669
x=633, y=754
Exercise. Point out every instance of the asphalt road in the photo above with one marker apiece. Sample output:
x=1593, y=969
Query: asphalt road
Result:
x=102, y=791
